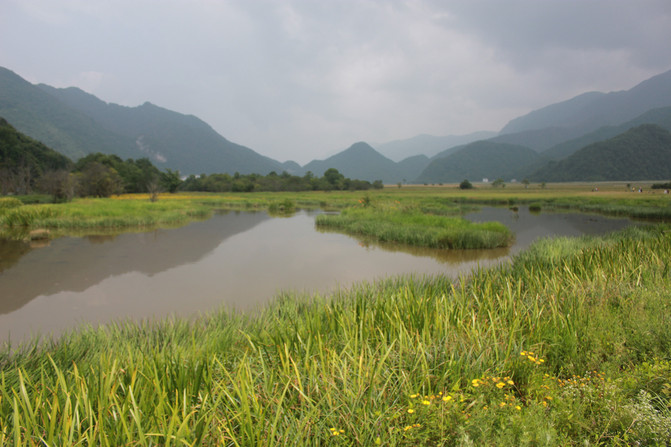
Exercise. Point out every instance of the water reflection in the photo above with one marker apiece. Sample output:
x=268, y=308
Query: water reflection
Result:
x=76, y=264
x=240, y=260
x=528, y=226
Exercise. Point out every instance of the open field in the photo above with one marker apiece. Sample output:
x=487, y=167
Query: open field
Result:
x=570, y=344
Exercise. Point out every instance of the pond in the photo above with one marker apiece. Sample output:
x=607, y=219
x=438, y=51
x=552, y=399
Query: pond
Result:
x=238, y=260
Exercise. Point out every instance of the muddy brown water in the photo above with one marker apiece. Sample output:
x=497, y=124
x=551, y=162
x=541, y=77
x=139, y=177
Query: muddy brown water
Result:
x=238, y=260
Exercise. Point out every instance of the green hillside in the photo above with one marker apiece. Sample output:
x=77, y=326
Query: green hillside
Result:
x=46, y=119
x=478, y=160
x=169, y=139
x=24, y=160
x=661, y=117
x=641, y=153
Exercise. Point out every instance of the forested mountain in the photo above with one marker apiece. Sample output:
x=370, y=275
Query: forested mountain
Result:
x=640, y=153
x=592, y=110
x=360, y=161
x=62, y=128
x=167, y=138
x=76, y=123
x=478, y=160
x=23, y=160
x=661, y=117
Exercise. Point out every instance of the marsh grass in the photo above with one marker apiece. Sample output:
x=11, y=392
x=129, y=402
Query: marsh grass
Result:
x=414, y=226
x=568, y=345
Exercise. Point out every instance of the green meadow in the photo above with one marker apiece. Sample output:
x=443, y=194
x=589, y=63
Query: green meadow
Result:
x=568, y=344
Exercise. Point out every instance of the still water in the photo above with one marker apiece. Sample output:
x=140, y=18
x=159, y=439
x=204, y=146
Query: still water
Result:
x=238, y=260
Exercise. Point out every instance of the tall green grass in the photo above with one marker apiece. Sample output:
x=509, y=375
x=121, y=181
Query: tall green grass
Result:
x=413, y=226
x=568, y=345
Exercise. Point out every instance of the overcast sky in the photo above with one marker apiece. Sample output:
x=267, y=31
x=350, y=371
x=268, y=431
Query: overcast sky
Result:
x=305, y=79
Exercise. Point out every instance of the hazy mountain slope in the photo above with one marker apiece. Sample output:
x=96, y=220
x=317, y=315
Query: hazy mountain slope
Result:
x=359, y=161
x=660, y=117
x=42, y=117
x=640, y=153
x=428, y=145
x=412, y=167
x=540, y=139
x=168, y=138
x=478, y=160
x=592, y=110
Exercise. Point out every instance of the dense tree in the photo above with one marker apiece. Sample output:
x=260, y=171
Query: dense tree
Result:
x=59, y=184
x=99, y=180
x=332, y=179
x=465, y=184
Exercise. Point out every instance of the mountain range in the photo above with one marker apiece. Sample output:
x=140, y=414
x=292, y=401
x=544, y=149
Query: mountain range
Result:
x=532, y=146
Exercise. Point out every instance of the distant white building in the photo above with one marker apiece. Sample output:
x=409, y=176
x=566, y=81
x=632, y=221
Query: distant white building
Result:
x=485, y=180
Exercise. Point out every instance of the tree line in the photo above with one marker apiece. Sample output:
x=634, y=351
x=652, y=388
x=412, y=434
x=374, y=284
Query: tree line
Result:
x=104, y=175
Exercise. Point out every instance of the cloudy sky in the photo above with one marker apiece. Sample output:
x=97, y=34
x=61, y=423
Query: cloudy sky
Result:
x=304, y=79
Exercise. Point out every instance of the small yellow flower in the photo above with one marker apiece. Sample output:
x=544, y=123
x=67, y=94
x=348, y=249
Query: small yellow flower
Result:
x=500, y=385
x=413, y=396
x=426, y=402
x=410, y=410
x=517, y=407
x=475, y=383
x=502, y=404
x=510, y=382
x=447, y=398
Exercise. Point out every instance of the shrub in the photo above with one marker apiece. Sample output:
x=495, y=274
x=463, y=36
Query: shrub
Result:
x=465, y=184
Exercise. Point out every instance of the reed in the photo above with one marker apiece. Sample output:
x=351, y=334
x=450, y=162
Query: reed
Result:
x=413, y=226
x=570, y=344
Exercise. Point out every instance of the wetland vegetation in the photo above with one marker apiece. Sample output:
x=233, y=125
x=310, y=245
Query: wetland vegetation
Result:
x=569, y=344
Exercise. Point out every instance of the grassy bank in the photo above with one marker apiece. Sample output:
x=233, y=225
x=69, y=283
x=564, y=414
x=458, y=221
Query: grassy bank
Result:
x=569, y=345
x=138, y=212
x=414, y=226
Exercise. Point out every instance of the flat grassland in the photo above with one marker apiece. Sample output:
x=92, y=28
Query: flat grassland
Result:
x=570, y=344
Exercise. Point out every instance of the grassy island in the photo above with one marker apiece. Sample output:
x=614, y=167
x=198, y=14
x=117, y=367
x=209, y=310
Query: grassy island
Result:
x=414, y=227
